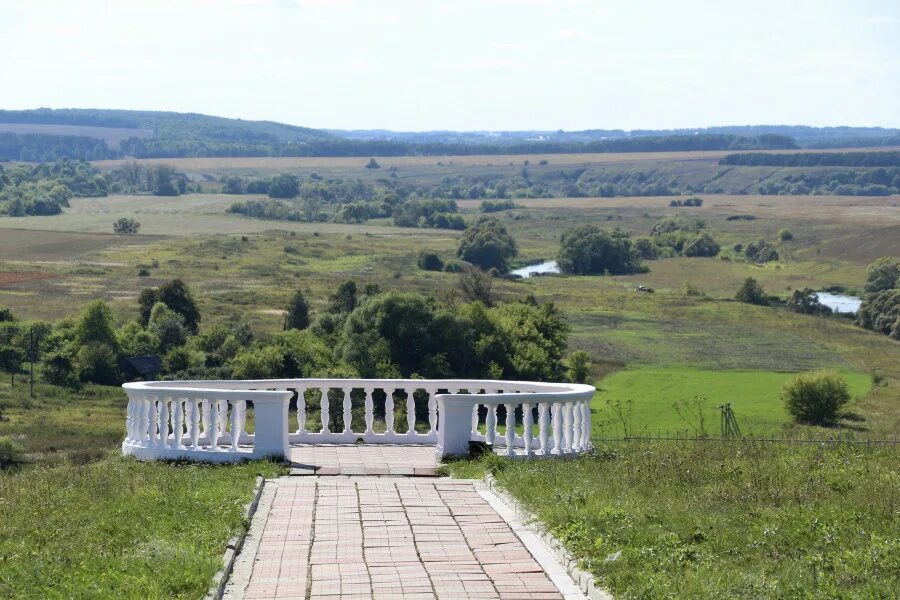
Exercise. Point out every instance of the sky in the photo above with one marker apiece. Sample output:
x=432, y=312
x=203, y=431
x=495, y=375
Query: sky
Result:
x=462, y=65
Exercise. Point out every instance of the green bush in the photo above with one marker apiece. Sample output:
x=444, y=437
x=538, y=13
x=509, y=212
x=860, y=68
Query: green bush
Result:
x=579, y=366
x=429, y=261
x=751, y=292
x=10, y=452
x=816, y=398
x=785, y=235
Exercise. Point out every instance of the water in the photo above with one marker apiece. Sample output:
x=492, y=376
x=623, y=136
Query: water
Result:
x=839, y=303
x=539, y=269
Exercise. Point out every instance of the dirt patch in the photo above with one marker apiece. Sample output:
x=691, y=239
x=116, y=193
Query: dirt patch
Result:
x=12, y=277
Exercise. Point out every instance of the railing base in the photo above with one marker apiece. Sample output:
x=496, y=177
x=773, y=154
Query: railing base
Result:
x=223, y=454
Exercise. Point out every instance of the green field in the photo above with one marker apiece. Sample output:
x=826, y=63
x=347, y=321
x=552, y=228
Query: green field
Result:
x=647, y=396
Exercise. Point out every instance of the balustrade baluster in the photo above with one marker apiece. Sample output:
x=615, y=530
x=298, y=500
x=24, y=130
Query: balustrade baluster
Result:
x=163, y=421
x=213, y=433
x=410, y=411
x=490, y=423
x=568, y=425
x=510, y=429
x=527, y=424
x=432, y=410
x=237, y=424
x=557, y=418
x=586, y=424
x=194, y=422
x=152, y=420
x=143, y=414
x=348, y=411
x=544, y=427
x=301, y=410
x=204, y=417
x=129, y=420
x=577, y=431
x=475, y=419
x=370, y=410
x=223, y=416
x=389, y=411
x=324, y=410
x=177, y=422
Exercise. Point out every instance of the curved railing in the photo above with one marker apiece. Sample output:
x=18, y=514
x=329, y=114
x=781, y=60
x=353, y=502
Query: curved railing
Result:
x=226, y=421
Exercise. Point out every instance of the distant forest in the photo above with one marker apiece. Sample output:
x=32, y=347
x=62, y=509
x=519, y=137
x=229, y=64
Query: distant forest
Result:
x=180, y=135
x=814, y=159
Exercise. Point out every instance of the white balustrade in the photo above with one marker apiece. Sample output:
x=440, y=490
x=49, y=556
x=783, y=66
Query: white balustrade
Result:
x=208, y=420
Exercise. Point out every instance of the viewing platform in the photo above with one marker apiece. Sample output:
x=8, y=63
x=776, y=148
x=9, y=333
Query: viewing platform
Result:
x=298, y=420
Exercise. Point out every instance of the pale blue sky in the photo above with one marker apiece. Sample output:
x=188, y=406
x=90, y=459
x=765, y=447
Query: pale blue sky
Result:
x=470, y=64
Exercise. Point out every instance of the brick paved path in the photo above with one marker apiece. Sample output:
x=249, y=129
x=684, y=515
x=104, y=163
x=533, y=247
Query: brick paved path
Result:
x=349, y=538
x=363, y=459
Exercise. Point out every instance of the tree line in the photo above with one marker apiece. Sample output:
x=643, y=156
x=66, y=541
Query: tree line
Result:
x=814, y=159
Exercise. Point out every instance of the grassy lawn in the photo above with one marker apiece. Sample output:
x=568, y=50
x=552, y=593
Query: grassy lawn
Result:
x=720, y=519
x=641, y=399
x=117, y=528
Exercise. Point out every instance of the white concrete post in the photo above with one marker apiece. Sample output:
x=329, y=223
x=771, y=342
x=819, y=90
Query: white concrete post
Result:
x=271, y=439
x=454, y=425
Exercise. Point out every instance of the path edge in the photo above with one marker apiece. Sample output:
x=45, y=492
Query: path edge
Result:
x=584, y=580
x=233, y=547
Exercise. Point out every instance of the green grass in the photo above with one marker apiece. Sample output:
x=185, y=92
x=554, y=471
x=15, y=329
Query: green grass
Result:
x=117, y=528
x=640, y=401
x=720, y=519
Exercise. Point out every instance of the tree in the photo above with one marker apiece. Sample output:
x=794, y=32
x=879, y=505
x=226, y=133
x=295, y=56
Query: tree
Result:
x=174, y=294
x=168, y=327
x=11, y=360
x=284, y=186
x=883, y=274
x=880, y=312
x=6, y=315
x=126, y=226
x=702, y=245
x=373, y=164
x=343, y=300
x=96, y=325
x=751, y=292
x=429, y=261
x=476, y=285
x=162, y=180
x=297, y=316
x=233, y=184
x=761, y=251
x=806, y=302
x=487, y=245
x=785, y=235
x=816, y=398
x=589, y=250
x=579, y=366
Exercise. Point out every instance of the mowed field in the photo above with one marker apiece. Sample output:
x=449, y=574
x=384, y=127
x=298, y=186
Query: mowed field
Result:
x=246, y=269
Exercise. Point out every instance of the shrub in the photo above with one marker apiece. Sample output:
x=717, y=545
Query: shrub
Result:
x=881, y=312
x=761, y=251
x=143, y=272
x=487, y=244
x=10, y=452
x=882, y=274
x=429, y=261
x=126, y=226
x=297, y=316
x=806, y=302
x=702, y=245
x=785, y=235
x=373, y=164
x=96, y=362
x=453, y=267
x=751, y=292
x=579, y=366
x=168, y=327
x=815, y=398
x=587, y=250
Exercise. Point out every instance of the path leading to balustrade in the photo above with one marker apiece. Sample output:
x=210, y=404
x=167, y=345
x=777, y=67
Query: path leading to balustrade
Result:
x=363, y=459
x=349, y=538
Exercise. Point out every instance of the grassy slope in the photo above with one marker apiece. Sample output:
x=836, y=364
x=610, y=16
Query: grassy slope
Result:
x=721, y=520
x=647, y=395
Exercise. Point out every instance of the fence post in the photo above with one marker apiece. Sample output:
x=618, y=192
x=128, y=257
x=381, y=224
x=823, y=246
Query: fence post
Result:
x=271, y=425
x=454, y=425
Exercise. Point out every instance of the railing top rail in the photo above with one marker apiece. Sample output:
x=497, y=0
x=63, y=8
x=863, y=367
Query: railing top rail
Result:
x=264, y=387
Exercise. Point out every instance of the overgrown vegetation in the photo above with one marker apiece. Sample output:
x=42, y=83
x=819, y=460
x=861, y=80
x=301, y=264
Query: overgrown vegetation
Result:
x=720, y=519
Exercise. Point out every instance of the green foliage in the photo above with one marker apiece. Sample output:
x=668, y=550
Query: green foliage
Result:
x=11, y=452
x=372, y=164
x=487, y=245
x=429, y=261
x=881, y=312
x=751, y=292
x=174, y=294
x=702, y=245
x=434, y=213
x=6, y=315
x=297, y=316
x=760, y=251
x=816, y=398
x=785, y=235
x=126, y=226
x=96, y=362
x=167, y=326
x=806, y=302
x=284, y=186
x=344, y=299
x=590, y=250
x=134, y=340
x=97, y=325
x=678, y=223
x=688, y=202
x=489, y=206
x=883, y=274
x=579, y=366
